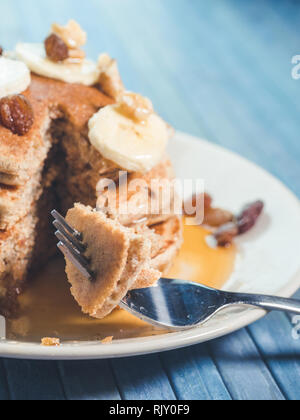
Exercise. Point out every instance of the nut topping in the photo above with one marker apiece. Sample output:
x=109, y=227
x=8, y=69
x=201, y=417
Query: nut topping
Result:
x=72, y=34
x=244, y=222
x=198, y=200
x=136, y=106
x=217, y=217
x=56, y=49
x=16, y=114
x=64, y=43
x=226, y=234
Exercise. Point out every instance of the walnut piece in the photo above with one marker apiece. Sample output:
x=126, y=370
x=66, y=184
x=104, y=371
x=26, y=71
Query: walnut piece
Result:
x=56, y=49
x=76, y=56
x=50, y=342
x=226, y=234
x=16, y=114
x=217, y=217
x=201, y=200
x=136, y=106
x=72, y=34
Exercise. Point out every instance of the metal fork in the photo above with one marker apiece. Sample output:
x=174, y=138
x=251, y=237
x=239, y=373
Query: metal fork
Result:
x=171, y=304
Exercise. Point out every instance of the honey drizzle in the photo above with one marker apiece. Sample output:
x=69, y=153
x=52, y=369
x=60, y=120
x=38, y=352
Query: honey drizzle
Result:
x=49, y=310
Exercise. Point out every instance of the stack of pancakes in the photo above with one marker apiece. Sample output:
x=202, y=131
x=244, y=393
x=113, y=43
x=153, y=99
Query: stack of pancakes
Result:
x=55, y=166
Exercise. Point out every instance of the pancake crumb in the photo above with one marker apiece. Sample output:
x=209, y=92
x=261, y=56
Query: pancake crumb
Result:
x=107, y=340
x=50, y=342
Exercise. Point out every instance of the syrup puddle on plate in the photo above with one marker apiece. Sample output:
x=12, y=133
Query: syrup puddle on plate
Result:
x=49, y=310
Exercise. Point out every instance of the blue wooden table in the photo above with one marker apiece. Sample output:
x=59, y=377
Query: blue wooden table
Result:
x=218, y=69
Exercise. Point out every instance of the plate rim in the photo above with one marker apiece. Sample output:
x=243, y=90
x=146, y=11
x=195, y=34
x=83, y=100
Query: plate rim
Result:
x=160, y=343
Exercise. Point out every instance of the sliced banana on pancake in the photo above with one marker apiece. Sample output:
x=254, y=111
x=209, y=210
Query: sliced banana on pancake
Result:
x=134, y=146
x=14, y=77
x=34, y=56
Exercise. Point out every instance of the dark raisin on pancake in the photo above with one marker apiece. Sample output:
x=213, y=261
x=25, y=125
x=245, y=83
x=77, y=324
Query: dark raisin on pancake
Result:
x=16, y=114
x=56, y=49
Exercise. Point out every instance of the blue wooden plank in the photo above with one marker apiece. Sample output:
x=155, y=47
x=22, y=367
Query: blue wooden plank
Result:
x=262, y=97
x=235, y=106
x=90, y=380
x=193, y=375
x=288, y=10
x=243, y=371
x=280, y=351
x=4, y=390
x=33, y=380
x=235, y=127
x=142, y=378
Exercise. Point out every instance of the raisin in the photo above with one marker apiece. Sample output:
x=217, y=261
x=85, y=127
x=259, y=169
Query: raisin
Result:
x=56, y=49
x=226, y=234
x=16, y=114
x=217, y=217
x=249, y=216
x=1, y=50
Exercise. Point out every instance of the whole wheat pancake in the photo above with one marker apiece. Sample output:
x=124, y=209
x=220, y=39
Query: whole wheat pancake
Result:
x=117, y=256
x=16, y=247
x=55, y=165
x=16, y=201
x=138, y=198
x=20, y=157
x=120, y=258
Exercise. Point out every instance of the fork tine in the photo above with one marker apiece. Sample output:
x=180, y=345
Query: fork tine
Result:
x=70, y=244
x=69, y=254
x=81, y=259
x=75, y=242
x=67, y=227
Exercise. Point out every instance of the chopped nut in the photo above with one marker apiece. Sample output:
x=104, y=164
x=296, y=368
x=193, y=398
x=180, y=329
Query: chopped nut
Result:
x=217, y=217
x=50, y=342
x=107, y=340
x=75, y=56
x=226, y=234
x=56, y=49
x=135, y=106
x=16, y=114
x=249, y=216
x=197, y=200
x=110, y=80
x=72, y=34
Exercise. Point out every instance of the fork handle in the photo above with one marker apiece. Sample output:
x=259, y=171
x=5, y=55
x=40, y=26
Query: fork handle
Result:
x=270, y=303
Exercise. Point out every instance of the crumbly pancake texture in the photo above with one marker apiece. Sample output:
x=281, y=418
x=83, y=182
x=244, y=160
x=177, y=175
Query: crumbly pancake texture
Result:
x=120, y=258
x=117, y=256
x=20, y=157
x=139, y=196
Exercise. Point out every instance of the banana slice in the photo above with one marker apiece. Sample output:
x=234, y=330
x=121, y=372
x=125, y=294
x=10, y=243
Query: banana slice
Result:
x=132, y=145
x=34, y=56
x=14, y=77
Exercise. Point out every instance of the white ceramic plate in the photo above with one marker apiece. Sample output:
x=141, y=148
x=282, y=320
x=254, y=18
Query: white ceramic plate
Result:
x=268, y=260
